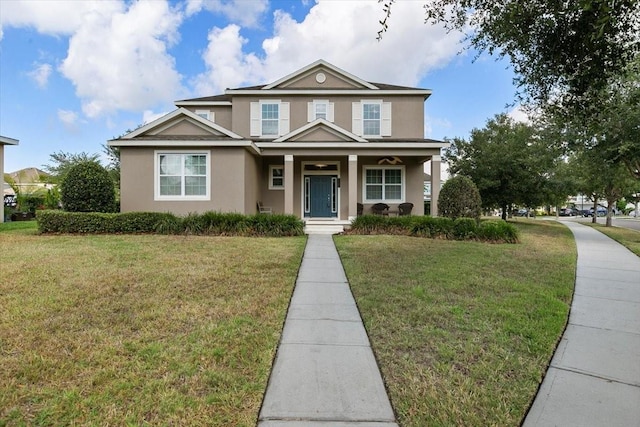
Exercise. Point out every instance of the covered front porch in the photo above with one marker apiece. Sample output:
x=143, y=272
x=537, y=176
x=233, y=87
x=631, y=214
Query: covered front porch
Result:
x=336, y=185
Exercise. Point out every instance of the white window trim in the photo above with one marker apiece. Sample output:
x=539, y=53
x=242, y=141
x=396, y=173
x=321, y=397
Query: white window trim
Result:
x=403, y=183
x=312, y=112
x=377, y=102
x=210, y=115
x=156, y=176
x=357, y=119
x=255, y=112
x=275, y=187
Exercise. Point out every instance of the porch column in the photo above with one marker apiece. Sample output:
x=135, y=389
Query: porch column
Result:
x=288, y=184
x=353, y=186
x=435, y=183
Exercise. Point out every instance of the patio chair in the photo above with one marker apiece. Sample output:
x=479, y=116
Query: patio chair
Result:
x=360, y=208
x=264, y=209
x=405, y=208
x=380, y=209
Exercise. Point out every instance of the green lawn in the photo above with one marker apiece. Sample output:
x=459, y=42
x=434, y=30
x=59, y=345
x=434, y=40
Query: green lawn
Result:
x=463, y=331
x=628, y=238
x=175, y=330
x=133, y=330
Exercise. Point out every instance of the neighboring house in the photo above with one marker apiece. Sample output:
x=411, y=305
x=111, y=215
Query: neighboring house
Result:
x=4, y=141
x=315, y=143
x=31, y=180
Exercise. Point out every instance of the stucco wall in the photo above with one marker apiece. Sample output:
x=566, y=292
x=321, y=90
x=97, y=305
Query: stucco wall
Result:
x=407, y=112
x=227, y=182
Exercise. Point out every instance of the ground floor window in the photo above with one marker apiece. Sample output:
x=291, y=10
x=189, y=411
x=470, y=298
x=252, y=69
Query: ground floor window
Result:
x=276, y=177
x=384, y=184
x=182, y=176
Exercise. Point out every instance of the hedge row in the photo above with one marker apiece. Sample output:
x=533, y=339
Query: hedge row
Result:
x=437, y=228
x=208, y=223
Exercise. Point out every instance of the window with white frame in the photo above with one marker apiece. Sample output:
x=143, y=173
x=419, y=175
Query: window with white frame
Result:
x=276, y=177
x=384, y=184
x=371, y=116
x=320, y=109
x=182, y=176
x=270, y=118
x=205, y=114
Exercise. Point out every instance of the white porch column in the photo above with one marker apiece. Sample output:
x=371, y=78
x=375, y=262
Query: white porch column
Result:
x=353, y=186
x=435, y=183
x=288, y=184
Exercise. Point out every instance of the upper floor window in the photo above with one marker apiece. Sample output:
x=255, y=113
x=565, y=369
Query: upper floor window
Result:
x=371, y=118
x=269, y=118
x=182, y=176
x=205, y=114
x=320, y=109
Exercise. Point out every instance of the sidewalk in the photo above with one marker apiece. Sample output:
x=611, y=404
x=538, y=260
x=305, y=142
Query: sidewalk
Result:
x=594, y=377
x=324, y=373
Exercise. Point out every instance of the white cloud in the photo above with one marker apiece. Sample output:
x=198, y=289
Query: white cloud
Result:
x=148, y=116
x=243, y=12
x=119, y=61
x=343, y=33
x=54, y=17
x=40, y=74
x=519, y=114
x=68, y=118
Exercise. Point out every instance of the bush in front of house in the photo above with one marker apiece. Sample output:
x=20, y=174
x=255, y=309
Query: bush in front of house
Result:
x=208, y=223
x=460, y=198
x=88, y=187
x=436, y=228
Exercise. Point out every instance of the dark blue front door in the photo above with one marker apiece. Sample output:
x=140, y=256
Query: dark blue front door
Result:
x=321, y=196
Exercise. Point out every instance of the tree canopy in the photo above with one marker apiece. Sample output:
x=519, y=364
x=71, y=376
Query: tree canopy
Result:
x=563, y=52
x=507, y=161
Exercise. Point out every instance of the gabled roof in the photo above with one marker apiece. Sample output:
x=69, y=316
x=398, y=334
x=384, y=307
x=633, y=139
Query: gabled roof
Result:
x=320, y=64
x=174, y=117
x=317, y=124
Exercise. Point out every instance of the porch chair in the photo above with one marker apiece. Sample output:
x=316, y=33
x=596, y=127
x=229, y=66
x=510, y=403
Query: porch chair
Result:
x=264, y=209
x=405, y=208
x=360, y=208
x=380, y=209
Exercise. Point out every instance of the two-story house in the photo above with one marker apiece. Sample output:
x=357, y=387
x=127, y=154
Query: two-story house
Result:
x=319, y=143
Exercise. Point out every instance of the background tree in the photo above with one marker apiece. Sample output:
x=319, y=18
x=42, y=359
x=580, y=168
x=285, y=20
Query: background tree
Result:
x=505, y=160
x=460, y=198
x=87, y=187
x=113, y=163
x=61, y=163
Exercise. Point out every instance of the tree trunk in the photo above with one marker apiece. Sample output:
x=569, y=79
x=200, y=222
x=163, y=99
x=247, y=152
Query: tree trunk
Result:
x=610, y=207
x=594, y=220
x=504, y=212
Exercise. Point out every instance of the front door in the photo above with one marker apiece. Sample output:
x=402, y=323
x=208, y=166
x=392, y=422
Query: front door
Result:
x=320, y=196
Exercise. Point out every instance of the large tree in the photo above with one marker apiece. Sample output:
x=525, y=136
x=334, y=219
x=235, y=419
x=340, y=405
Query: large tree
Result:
x=506, y=160
x=61, y=163
x=563, y=52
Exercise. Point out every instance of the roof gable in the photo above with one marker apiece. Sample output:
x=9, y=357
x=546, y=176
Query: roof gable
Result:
x=320, y=75
x=181, y=122
x=320, y=130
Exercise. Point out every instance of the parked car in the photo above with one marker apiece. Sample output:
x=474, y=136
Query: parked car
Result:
x=601, y=211
x=568, y=212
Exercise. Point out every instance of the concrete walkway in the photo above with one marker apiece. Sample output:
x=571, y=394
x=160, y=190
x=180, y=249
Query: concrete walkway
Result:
x=324, y=373
x=594, y=377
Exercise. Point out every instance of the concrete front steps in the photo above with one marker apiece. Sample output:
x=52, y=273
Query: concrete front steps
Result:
x=325, y=226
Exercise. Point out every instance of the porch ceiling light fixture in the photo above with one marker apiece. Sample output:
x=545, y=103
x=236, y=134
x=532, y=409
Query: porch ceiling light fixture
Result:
x=320, y=165
x=390, y=160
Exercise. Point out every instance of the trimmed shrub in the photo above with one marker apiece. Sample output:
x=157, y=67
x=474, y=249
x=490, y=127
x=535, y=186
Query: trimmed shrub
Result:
x=208, y=223
x=465, y=228
x=460, y=198
x=498, y=231
x=87, y=187
x=434, y=227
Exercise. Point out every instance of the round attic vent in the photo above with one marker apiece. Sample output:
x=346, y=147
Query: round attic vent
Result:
x=321, y=78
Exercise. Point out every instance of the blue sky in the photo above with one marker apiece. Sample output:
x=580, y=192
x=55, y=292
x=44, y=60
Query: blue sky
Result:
x=74, y=74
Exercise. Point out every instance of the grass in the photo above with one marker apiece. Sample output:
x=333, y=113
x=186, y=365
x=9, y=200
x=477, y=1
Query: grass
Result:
x=626, y=237
x=463, y=331
x=133, y=330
